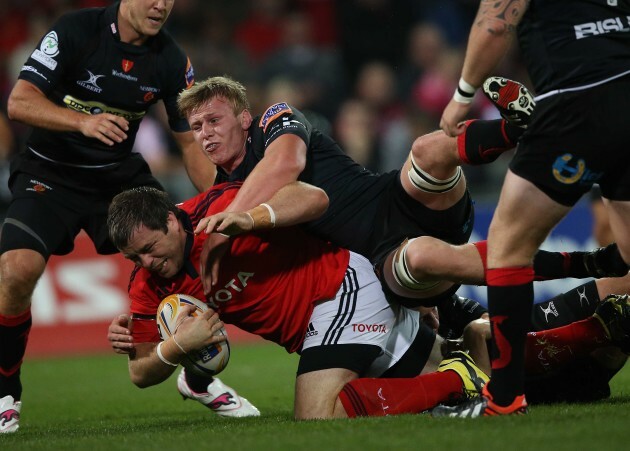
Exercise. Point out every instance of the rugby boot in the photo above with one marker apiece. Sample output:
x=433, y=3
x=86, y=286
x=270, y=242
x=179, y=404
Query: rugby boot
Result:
x=481, y=406
x=513, y=100
x=9, y=415
x=614, y=314
x=220, y=398
x=605, y=262
x=473, y=379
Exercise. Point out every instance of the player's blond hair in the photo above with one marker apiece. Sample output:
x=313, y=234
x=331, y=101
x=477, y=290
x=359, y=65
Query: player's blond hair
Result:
x=201, y=92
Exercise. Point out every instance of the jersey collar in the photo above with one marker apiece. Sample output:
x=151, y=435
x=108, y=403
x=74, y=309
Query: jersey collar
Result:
x=111, y=19
x=188, y=267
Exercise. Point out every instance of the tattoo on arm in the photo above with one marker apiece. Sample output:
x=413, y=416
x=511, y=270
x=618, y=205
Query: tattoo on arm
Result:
x=500, y=17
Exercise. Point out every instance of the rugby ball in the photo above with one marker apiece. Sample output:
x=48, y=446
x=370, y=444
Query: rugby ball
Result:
x=207, y=361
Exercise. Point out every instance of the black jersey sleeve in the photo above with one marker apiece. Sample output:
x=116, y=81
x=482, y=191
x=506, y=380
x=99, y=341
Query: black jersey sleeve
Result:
x=179, y=75
x=282, y=119
x=58, y=49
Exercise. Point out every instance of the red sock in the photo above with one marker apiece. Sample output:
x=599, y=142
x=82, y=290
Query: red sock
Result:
x=482, y=248
x=371, y=397
x=549, y=349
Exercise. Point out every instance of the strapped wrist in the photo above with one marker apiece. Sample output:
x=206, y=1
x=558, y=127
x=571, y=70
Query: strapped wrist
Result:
x=465, y=92
x=161, y=356
x=263, y=217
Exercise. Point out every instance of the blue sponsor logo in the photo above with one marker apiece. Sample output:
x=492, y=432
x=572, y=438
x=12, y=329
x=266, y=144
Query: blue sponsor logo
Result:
x=568, y=169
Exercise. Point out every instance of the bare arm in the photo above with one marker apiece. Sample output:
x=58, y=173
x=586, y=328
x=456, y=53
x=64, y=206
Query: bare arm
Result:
x=292, y=204
x=476, y=336
x=200, y=170
x=145, y=367
x=490, y=38
x=6, y=138
x=28, y=104
x=283, y=162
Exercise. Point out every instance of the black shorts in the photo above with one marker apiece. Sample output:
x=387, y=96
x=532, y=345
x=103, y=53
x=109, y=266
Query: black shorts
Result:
x=576, y=139
x=46, y=215
x=400, y=217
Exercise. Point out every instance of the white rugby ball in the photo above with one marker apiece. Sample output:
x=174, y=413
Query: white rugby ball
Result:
x=207, y=361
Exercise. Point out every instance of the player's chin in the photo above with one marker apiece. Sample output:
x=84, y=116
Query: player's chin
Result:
x=152, y=28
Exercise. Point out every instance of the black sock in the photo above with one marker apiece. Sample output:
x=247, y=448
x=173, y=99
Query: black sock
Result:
x=604, y=262
x=510, y=312
x=13, y=337
x=198, y=383
x=550, y=265
x=574, y=305
x=484, y=141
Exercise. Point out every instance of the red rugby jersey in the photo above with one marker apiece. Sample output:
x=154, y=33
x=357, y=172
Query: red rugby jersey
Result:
x=268, y=284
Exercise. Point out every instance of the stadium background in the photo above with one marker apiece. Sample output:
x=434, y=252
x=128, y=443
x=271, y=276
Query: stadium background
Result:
x=372, y=73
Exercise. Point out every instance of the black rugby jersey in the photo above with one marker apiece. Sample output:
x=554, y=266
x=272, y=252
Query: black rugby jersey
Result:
x=574, y=43
x=351, y=188
x=81, y=64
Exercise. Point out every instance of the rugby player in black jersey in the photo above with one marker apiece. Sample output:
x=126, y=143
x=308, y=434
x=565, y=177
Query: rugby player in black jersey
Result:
x=84, y=90
x=425, y=205
x=578, y=57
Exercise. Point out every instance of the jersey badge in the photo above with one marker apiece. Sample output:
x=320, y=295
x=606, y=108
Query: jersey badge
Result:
x=127, y=65
x=273, y=112
x=190, y=74
x=50, y=44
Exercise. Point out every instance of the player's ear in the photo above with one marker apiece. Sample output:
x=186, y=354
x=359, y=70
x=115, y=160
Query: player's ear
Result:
x=246, y=119
x=172, y=221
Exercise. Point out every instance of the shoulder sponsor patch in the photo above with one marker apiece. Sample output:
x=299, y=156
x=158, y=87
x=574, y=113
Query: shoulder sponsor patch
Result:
x=50, y=44
x=273, y=112
x=46, y=60
x=190, y=74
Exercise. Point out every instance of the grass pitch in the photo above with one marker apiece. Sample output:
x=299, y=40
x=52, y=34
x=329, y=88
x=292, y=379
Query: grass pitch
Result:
x=88, y=403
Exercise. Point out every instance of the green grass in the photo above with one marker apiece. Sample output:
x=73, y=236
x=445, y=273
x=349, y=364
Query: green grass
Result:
x=88, y=403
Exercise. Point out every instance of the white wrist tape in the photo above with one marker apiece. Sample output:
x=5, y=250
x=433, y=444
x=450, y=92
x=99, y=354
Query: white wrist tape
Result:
x=271, y=213
x=465, y=92
x=161, y=356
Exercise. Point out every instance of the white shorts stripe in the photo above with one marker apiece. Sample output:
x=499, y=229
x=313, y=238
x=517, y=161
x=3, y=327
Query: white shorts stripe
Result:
x=348, y=304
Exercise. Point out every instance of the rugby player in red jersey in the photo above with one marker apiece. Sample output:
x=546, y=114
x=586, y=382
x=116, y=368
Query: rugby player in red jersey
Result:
x=302, y=293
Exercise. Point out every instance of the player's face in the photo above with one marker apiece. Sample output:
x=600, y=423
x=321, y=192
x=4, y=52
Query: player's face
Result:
x=159, y=252
x=145, y=17
x=221, y=133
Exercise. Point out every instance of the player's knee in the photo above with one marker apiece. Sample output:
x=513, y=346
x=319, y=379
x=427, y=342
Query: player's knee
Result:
x=316, y=411
x=433, y=178
x=422, y=253
x=411, y=264
x=19, y=272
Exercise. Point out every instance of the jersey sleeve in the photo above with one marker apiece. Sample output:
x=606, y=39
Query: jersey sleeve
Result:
x=55, y=53
x=143, y=308
x=181, y=76
x=282, y=119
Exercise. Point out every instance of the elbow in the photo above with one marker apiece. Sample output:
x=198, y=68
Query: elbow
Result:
x=12, y=108
x=320, y=202
x=141, y=381
x=323, y=200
